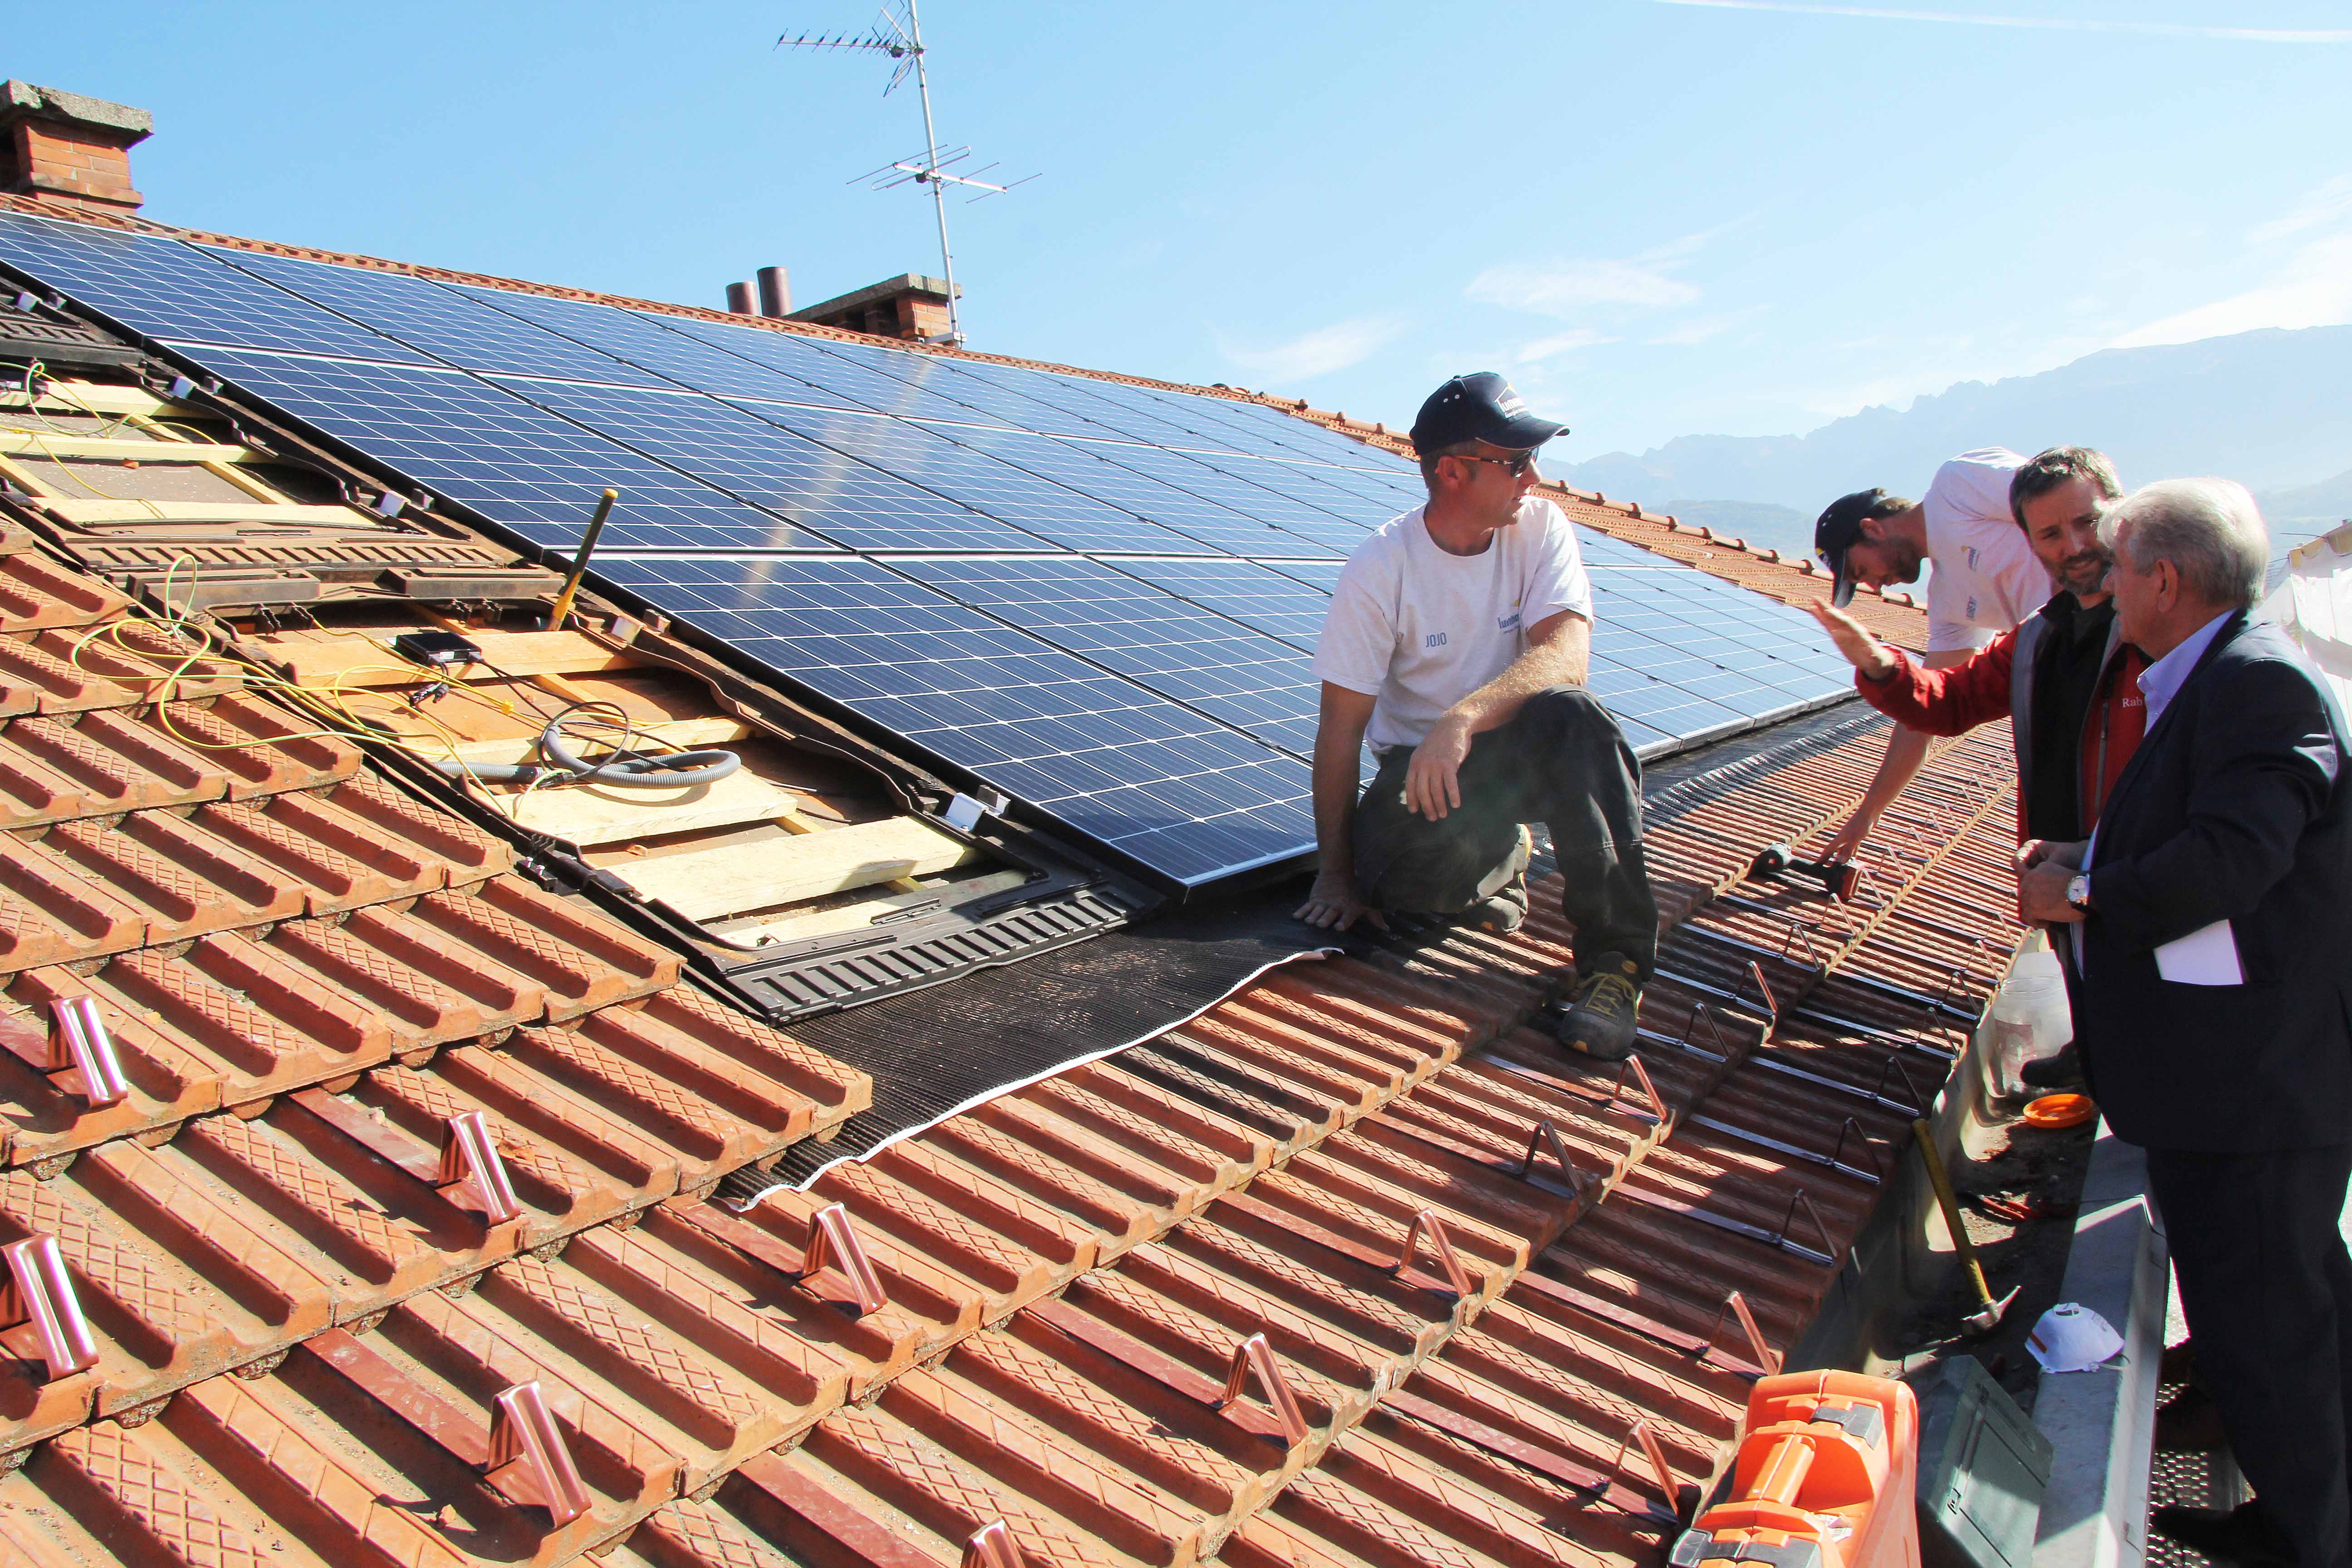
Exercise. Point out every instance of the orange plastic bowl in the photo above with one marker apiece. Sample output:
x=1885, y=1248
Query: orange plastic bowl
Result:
x=2062, y=1111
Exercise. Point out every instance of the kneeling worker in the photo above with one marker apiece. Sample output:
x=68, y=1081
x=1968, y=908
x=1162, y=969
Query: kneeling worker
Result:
x=1455, y=647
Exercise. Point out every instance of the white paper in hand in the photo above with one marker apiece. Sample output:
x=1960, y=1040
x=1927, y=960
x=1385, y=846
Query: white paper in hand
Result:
x=2071, y=1338
x=2207, y=957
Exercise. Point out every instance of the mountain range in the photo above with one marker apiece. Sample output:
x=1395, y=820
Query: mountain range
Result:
x=2272, y=409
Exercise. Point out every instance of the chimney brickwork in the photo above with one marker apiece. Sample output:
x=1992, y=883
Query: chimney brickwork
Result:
x=63, y=147
x=910, y=306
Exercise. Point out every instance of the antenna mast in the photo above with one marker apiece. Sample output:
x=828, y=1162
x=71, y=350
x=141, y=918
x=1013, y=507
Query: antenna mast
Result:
x=904, y=42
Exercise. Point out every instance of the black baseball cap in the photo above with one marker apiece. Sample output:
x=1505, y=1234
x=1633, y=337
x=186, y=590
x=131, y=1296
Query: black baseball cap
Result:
x=1479, y=407
x=1838, y=530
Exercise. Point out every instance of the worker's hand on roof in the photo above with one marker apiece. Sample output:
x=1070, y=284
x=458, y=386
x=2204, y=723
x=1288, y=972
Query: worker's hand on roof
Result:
x=1862, y=650
x=1432, y=780
x=1848, y=842
x=1332, y=904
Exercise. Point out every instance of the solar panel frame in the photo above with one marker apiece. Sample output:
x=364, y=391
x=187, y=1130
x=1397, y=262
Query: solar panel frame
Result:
x=1256, y=595
x=127, y=277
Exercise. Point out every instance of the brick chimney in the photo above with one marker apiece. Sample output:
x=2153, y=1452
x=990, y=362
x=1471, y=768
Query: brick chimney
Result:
x=64, y=148
x=905, y=307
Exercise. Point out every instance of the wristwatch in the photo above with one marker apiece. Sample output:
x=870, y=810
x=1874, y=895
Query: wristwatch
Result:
x=2078, y=891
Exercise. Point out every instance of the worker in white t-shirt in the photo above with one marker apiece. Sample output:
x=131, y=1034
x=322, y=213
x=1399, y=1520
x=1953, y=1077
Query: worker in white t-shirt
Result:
x=1986, y=580
x=1455, y=647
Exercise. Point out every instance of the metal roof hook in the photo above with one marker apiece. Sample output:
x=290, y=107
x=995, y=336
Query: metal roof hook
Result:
x=1456, y=1276
x=832, y=1238
x=1545, y=1133
x=522, y=1429
x=77, y=1038
x=468, y=1152
x=1640, y=1433
x=1255, y=1354
x=1768, y=1361
x=992, y=1546
x=39, y=1293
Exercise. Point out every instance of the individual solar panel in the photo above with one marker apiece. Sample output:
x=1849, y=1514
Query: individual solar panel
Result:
x=440, y=322
x=1600, y=550
x=1076, y=398
x=1198, y=475
x=1178, y=792
x=845, y=382
x=1255, y=596
x=1079, y=468
x=513, y=462
x=642, y=340
x=769, y=465
x=1194, y=656
x=1323, y=575
x=166, y=289
x=928, y=457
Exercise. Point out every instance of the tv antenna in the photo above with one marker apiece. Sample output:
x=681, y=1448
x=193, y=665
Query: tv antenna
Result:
x=903, y=42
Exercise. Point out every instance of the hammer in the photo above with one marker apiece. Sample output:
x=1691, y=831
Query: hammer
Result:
x=1842, y=879
x=1987, y=1317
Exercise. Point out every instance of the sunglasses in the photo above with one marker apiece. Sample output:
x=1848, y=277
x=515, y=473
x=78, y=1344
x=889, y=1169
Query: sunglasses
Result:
x=1517, y=466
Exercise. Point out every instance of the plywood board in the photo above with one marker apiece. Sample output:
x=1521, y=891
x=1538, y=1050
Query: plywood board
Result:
x=364, y=661
x=715, y=730
x=74, y=510
x=592, y=815
x=706, y=884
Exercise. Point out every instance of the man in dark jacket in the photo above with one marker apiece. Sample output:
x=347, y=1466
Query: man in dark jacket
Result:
x=2212, y=982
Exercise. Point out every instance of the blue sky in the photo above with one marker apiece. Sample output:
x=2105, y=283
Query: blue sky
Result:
x=1661, y=218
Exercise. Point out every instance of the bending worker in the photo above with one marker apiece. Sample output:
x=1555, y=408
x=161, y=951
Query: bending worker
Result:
x=1457, y=645
x=1986, y=582
x=2064, y=678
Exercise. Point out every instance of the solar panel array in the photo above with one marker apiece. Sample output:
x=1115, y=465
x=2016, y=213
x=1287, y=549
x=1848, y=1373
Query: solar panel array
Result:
x=1100, y=598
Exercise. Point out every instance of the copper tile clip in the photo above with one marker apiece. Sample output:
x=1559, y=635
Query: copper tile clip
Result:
x=830, y=1238
x=1767, y=1361
x=1255, y=1353
x=1543, y=1134
x=523, y=1432
x=469, y=1154
x=1657, y=1112
x=76, y=1040
x=1855, y=1129
x=1640, y=1433
x=40, y=1314
x=1763, y=989
x=992, y=1546
x=1456, y=1276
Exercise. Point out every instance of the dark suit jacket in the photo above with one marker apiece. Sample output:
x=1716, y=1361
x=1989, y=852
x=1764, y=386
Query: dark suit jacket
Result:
x=2233, y=808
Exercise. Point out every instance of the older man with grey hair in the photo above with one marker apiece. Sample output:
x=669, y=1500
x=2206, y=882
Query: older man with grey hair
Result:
x=2212, y=985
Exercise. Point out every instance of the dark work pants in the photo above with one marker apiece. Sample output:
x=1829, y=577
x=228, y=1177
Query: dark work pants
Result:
x=1561, y=761
x=2267, y=1285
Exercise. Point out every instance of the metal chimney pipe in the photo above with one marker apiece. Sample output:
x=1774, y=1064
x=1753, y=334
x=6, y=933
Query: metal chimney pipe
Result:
x=738, y=300
x=775, y=292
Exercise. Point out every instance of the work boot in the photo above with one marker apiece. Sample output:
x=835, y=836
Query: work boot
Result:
x=2244, y=1535
x=1608, y=1006
x=2064, y=1071
x=1503, y=912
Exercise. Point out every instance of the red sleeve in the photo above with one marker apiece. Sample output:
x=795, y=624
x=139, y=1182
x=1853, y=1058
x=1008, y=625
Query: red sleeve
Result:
x=1945, y=701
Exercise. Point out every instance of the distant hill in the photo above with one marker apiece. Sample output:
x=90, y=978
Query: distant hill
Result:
x=2326, y=504
x=2272, y=409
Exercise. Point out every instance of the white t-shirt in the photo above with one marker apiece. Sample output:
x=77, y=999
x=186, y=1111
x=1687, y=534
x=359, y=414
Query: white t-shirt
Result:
x=1987, y=578
x=1420, y=629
